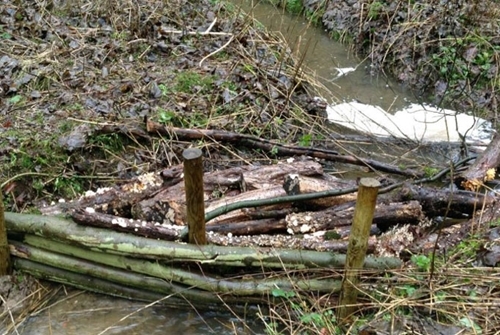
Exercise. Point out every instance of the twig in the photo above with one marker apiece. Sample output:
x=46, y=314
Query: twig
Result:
x=216, y=51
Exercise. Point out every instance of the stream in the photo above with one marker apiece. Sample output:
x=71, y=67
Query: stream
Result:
x=345, y=76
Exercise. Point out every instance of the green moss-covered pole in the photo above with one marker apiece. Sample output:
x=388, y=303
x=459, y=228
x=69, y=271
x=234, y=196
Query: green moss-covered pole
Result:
x=112, y=242
x=195, y=203
x=5, y=262
x=358, y=242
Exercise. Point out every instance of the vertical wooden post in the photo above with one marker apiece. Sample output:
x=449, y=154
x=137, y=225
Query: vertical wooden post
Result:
x=195, y=202
x=358, y=243
x=5, y=261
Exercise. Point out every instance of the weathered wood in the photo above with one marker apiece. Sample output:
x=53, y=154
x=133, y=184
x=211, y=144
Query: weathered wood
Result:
x=386, y=215
x=484, y=167
x=195, y=202
x=443, y=201
x=358, y=243
x=224, y=187
x=5, y=261
x=295, y=184
x=253, y=227
x=110, y=242
x=161, y=231
x=120, y=199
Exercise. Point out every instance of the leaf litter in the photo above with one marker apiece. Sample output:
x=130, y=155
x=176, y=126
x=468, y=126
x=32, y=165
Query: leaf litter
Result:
x=78, y=78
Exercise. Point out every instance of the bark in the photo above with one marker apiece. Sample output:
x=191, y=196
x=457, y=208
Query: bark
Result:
x=386, y=215
x=445, y=202
x=118, y=200
x=110, y=242
x=253, y=227
x=295, y=184
x=136, y=227
x=484, y=168
x=94, y=263
x=223, y=188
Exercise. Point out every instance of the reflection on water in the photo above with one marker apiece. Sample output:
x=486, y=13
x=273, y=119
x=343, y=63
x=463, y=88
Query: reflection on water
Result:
x=421, y=123
x=93, y=314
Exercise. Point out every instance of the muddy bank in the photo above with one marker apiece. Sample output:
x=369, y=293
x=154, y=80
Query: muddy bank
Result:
x=447, y=50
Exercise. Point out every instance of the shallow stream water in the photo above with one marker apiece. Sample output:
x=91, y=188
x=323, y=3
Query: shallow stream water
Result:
x=87, y=314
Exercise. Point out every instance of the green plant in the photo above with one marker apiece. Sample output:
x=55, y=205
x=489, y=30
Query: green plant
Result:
x=16, y=99
x=166, y=116
x=430, y=172
x=68, y=187
x=422, y=262
x=374, y=10
x=305, y=140
x=310, y=320
x=408, y=290
x=468, y=248
x=294, y=6
x=164, y=89
x=274, y=151
x=111, y=142
x=495, y=223
x=469, y=323
x=192, y=82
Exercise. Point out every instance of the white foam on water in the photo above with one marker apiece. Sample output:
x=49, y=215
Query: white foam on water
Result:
x=423, y=123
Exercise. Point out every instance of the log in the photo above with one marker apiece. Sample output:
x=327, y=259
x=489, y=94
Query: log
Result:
x=358, y=245
x=484, y=167
x=246, y=182
x=110, y=242
x=440, y=202
x=56, y=254
x=295, y=184
x=89, y=217
x=119, y=200
x=386, y=215
x=195, y=203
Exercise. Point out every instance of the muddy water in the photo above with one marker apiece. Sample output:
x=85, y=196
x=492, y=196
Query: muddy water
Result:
x=89, y=314
x=83, y=313
x=332, y=62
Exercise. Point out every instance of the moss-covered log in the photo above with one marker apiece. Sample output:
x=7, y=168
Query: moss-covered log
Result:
x=91, y=263
x=105, y=241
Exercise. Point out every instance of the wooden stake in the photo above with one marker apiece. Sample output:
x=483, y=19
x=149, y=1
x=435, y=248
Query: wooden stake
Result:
x=195, y=203
x=358, y=242
x=5, y=261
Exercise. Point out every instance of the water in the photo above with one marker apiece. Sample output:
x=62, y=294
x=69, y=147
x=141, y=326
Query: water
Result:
x=93, y=314
x=344, y=74
x=372, y=105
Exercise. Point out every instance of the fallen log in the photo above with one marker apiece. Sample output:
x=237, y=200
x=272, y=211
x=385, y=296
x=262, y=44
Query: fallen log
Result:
x=386, y=215
x=148, y=269
x=296, y=184
x=110, y=242
x=443, y=201
x=484, y=167
x=91, y=218
x=246, y=182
